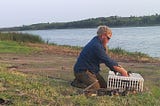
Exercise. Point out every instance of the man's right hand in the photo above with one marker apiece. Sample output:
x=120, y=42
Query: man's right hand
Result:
x=121, y=70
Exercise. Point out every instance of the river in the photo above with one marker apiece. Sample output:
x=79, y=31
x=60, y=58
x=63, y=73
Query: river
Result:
x=140, y=39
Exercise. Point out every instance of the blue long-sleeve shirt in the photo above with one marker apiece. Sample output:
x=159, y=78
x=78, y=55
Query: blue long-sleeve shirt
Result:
x=92, y=55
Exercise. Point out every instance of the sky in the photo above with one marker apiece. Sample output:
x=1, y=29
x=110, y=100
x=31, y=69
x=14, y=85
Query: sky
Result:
x=27, y=12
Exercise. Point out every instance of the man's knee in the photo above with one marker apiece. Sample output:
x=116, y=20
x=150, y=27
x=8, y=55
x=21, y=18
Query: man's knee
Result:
x=87, y=78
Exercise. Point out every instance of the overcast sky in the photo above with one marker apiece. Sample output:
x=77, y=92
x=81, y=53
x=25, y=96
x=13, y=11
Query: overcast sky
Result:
x=26, y=12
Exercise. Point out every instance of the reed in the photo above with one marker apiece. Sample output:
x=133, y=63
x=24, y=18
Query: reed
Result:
x=121, y=51
x=20, y=37
x=121, y=54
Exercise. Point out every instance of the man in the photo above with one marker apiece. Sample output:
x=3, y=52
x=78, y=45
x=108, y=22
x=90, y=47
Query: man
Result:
x=87, y=67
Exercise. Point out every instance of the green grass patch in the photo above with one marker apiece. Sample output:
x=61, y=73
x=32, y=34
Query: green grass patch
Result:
x=34, y=90
x=15, y=47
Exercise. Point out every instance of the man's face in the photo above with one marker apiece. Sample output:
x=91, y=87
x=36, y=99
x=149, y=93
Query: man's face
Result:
x=106, y=37
x=109, y=34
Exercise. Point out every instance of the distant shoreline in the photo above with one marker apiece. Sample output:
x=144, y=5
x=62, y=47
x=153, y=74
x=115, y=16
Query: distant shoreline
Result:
x=112, y=21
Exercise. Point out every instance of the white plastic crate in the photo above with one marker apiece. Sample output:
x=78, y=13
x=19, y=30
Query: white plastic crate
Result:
x=132, y=83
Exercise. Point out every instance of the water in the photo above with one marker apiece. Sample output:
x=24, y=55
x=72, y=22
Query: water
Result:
x=140, y=39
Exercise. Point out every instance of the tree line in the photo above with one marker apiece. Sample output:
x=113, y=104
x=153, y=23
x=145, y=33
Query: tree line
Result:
x=112, y=21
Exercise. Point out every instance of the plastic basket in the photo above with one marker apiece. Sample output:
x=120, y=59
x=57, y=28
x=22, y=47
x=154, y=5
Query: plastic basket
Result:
x=132, y=83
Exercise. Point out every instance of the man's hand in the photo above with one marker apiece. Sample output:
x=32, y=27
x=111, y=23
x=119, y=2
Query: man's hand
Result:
x=121, y=70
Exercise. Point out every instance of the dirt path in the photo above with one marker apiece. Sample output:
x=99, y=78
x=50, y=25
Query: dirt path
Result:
x=41, y=63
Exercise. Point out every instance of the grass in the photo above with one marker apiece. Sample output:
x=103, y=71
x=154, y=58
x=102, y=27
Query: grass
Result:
x=15, y=47
x=68, y=46
x=120, y=51
x=35, y=90
x=121, y=54
x=20, y=37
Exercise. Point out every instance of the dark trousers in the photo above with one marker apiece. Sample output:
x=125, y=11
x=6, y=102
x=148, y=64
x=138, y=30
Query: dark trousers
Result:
x=86, y=78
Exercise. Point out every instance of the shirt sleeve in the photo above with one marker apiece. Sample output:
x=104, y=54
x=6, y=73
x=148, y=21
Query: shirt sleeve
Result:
x=104, y=58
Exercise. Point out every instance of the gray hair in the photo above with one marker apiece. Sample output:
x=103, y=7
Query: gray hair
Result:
x=102, y=29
